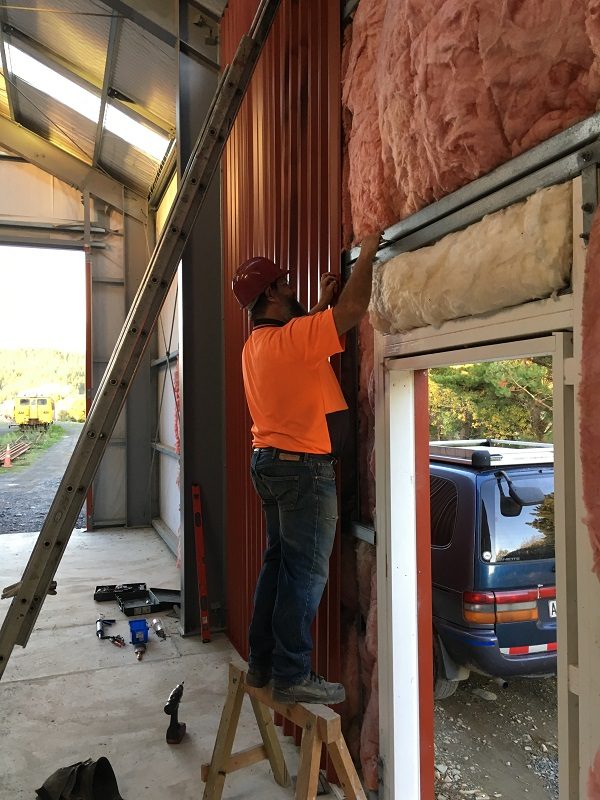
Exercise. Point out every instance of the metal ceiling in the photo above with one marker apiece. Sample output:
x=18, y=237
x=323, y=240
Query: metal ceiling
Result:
x=125, y=52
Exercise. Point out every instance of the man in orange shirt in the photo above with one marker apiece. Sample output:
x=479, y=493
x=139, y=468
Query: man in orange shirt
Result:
x=299, y=415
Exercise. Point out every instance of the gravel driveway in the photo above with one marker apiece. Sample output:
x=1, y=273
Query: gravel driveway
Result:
x=26, y=494
x=492, y=742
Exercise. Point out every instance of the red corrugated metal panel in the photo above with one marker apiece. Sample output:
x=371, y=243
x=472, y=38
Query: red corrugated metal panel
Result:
x=281, y=198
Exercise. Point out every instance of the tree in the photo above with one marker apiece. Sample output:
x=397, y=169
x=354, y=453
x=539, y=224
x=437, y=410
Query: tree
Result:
x=499, y=399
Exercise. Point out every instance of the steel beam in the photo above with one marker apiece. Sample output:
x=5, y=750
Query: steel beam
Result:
x=546, y=160
x=168, y=35
x=71, y=170
x=11, y=92
x=113, y=38
x=200, y=361
x=565, y=168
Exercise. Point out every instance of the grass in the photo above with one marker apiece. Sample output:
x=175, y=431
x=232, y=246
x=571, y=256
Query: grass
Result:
x=40, y=440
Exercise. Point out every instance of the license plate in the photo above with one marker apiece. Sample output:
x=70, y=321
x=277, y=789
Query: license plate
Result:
x=552, y=608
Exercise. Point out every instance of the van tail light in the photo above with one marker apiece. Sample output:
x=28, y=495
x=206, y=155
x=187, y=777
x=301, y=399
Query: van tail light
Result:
x=519, y=605
x=479, y=607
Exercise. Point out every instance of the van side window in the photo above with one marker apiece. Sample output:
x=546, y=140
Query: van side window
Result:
x=443, y=505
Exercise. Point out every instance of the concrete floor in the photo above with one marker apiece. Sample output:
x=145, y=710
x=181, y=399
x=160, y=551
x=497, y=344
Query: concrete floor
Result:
x=68, y=696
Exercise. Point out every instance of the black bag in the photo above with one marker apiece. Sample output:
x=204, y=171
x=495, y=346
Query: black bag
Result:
x=85, y=780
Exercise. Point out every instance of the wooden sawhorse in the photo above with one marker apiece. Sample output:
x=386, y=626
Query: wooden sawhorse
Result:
x=320, y=726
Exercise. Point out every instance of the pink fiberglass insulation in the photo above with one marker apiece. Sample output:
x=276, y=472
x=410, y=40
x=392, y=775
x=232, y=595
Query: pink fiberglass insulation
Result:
x=367, y=644
x=441, y=92
x=590, y=391
x=175, y=376
x=366, y=419
x=369, y=735
x=593, y=786
x=351, y=711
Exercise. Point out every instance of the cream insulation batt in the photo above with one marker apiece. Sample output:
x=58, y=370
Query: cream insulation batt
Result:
x=521, y=253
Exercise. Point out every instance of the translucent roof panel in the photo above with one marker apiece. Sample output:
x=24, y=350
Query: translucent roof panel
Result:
x=140, y=136
x=3, y=98
x=55, y=121
x=146, y=70
x=127, y=163
x=83, y=102
x=31, y=71
x=74, y=36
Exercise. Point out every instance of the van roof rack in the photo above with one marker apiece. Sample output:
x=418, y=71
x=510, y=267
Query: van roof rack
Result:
x=492, y=452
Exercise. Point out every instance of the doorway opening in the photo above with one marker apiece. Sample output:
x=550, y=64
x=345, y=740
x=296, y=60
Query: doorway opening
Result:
x=404, y=556
x=43, y=378
x=493, y=578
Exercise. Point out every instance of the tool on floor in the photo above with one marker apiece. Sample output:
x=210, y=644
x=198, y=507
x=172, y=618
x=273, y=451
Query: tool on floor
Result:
x=158, y=628
x=138, y=629
x=139, y=636
x=200, y=563
x=29, y=594
x=321, y=726
x=118, y=641
x=100, y=623
x=139, y=651
x=176, y=729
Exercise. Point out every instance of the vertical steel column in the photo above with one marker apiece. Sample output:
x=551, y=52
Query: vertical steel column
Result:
x=89, y=361
x=200, y=356
x=136, y=254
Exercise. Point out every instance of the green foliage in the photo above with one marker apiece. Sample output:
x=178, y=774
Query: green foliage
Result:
x=40, y=440
x=44, y=372
x=25, y=370
x=75, y=411
x=500, y=399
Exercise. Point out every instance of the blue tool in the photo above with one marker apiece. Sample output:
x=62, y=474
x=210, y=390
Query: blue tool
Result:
x=139, y=631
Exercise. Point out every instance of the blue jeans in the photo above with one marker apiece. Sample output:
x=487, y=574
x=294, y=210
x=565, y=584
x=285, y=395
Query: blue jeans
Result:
x=299, y=501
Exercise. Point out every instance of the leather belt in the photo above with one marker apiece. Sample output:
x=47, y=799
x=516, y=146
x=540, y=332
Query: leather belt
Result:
x=290, y=455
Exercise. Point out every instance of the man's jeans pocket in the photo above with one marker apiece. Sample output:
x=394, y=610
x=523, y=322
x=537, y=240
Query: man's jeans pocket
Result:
x=284, y=490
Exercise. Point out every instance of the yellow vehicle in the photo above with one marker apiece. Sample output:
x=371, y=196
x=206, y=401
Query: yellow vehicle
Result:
x=34, y=412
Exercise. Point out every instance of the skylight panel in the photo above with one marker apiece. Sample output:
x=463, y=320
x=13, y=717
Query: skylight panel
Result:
x=86, y=103
x=132, y=131
x=54, y=84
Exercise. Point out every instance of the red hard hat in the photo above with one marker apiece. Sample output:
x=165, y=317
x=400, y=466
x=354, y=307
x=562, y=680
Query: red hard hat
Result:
x=253, y=277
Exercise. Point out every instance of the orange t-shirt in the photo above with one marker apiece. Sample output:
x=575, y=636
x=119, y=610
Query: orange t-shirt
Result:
x=290, y=385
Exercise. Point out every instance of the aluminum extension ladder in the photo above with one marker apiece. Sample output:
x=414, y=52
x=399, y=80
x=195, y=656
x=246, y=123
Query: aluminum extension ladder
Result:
x=38, y=578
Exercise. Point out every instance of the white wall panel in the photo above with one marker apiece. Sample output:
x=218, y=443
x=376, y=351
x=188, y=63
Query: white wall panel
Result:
x=166, y=404
x=30, y=192
x=169, y=492
x=167, y=341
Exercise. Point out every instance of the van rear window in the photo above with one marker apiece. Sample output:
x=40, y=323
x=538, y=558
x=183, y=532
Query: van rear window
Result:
x=24, y=402
x=525, y=537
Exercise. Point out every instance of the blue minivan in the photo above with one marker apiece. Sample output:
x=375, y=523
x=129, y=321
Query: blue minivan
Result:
x=492, y=560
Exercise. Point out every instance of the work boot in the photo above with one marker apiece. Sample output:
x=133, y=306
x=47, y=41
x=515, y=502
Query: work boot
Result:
x=312, y=689
x=257, y=677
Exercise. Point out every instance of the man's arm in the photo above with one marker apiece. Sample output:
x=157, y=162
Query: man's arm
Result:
x=354, y=299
